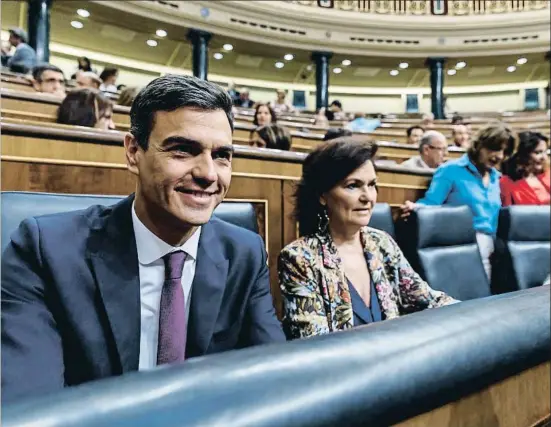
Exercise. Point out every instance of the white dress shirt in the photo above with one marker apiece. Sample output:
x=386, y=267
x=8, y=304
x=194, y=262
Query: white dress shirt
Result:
x=151, y=250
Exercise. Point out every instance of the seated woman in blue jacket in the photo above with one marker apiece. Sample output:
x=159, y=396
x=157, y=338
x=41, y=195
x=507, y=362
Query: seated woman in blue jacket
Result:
x=473, y=180
x=342, y=273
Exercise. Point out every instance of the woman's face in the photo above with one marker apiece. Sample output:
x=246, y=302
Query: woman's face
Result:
x=489, y=159
x=351, y=202
x=538, y=158
x=256, y=141
x=105, y=122
x=263, y=116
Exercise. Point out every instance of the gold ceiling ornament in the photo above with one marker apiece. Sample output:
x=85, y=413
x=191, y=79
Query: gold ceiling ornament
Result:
x=460, y=7
x=419, y=7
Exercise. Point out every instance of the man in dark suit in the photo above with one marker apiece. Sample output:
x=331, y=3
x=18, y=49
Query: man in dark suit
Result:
x=152, y=280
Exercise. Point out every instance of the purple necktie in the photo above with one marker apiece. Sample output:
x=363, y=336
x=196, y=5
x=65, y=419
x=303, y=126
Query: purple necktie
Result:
x=172, y=314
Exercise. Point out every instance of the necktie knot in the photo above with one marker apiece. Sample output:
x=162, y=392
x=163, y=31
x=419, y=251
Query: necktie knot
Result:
x=174, y=264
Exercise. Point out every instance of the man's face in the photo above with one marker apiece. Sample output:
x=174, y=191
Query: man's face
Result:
x=14, y=40
x=186, y=170
x=415, y=136
x=461, y=136
x=51, y=82
x=435, y=152
x=84, y=81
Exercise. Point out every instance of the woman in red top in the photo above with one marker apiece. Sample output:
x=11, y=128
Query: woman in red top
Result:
x=526, y=179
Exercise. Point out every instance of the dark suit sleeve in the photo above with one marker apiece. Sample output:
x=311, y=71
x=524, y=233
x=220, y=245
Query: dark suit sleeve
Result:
x=264, y=327
x=32, y=355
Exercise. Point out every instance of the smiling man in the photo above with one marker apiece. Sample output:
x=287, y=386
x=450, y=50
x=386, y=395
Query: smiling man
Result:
x=152, y=280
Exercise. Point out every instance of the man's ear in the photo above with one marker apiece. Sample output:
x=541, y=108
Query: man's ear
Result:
x=35, y=85
x=133, y=153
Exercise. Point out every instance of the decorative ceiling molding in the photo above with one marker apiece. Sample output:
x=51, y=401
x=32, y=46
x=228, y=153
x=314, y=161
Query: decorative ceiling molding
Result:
x=295, y=26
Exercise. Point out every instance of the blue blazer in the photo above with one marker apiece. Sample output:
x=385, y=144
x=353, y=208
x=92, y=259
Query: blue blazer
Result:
x=71, y=298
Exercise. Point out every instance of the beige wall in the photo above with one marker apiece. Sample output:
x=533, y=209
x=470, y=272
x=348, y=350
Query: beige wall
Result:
x=499, y=101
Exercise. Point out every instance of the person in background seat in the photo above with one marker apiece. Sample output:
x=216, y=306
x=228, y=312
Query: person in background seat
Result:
x=87, y=79
x=84, y=64
x=461, y=136
x=244, y=101
x=341, y=273
x=526, y=178
x=473, y=180
x=274, y=136
x=24, y=58
x=362, y=124
x=48, y=78
x=335, y=111
x=126, y=98
x=109, y=78
x=280, y=105
x=334, y=133
x=433, y=149
x=264, y=115
x=414, y=134
x=86, y=107
x=427, y=121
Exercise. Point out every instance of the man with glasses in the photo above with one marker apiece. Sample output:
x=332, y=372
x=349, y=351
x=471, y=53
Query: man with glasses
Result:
x=433, y=148
x=49, y=79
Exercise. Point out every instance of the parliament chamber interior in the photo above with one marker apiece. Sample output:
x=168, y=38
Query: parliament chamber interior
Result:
x=312, y=213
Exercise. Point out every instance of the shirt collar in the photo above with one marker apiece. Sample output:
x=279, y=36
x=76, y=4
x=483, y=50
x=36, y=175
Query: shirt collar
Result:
x=465, y=160
x=150, y=248
x=423, y=164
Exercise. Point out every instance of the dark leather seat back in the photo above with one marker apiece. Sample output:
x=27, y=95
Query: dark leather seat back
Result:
x=523, y=248
x=440, y=244
x=381, y=219
x=18, y=205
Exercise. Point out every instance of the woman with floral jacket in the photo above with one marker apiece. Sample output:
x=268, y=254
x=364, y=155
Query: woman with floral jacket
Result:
x=342, y=273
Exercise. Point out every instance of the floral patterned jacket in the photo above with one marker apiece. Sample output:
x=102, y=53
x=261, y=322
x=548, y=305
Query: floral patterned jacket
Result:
x=316, y=298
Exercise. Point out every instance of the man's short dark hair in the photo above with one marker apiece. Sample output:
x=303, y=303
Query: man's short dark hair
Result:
x=412, y=128
x=170, y=92
x=39, y=70
x=334, y=133
x=457, y=120
x=108, y=72
x=337, y=103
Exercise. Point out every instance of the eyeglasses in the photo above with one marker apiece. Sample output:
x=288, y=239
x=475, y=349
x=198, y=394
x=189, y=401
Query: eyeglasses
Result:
x=441, y=149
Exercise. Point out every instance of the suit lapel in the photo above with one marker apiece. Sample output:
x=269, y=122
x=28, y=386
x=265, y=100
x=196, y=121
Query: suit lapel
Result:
x=114, y=260
x=207, y=291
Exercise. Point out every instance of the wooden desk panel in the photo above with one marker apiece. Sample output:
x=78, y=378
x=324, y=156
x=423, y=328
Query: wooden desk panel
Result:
x=518, y=401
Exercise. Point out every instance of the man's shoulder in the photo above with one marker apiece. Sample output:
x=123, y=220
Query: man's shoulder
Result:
x=66, y=226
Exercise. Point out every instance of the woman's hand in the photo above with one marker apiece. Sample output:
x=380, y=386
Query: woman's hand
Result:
x=407, y=208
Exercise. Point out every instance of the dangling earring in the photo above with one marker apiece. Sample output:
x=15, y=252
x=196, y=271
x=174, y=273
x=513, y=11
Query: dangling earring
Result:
x=323, y=221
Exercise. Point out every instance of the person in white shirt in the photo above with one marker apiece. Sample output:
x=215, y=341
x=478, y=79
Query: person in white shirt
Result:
x=109, y=80
x=433, y=149
x=280, y=105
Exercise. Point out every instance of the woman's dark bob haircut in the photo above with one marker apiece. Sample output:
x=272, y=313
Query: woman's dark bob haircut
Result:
x=323, y=169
